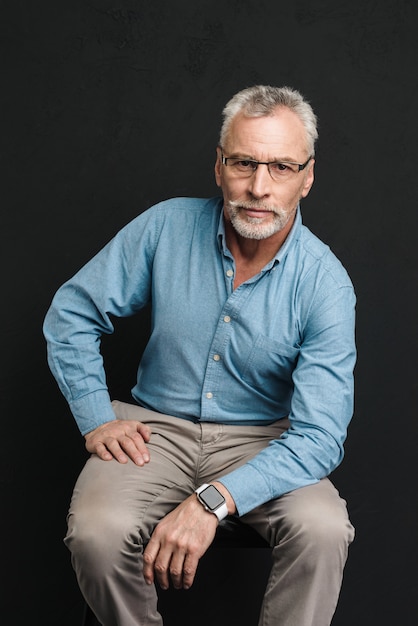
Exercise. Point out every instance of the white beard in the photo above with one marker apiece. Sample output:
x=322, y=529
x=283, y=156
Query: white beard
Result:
x=255, y=227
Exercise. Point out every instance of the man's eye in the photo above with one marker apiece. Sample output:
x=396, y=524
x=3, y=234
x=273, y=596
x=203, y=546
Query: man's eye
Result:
x=280, y=167
x=244, y=164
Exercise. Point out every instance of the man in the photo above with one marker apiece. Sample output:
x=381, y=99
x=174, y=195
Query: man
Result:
x=244, y=391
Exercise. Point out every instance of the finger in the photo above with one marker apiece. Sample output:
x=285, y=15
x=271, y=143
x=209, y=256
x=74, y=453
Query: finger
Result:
x=100, y=449
x=150, y=554
x=102, y=452
x=112, y=445
x=140, y=456
x=161, y=570
x=177, y=569
x=161, y=565
x=189, y=570
x=144, y=431
x=136, y=448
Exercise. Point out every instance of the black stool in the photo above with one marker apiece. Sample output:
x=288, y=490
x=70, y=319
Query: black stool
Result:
x=229, y=584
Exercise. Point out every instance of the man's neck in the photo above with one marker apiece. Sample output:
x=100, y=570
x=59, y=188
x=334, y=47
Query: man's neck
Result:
x=251, y=255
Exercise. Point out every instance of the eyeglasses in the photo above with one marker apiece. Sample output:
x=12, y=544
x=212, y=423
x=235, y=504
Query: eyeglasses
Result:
x=278, y=170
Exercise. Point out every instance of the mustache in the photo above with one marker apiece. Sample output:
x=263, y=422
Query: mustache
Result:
x=253, y=204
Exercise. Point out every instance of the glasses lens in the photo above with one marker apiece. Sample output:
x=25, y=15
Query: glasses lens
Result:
x=241, y=167
x=282, y=171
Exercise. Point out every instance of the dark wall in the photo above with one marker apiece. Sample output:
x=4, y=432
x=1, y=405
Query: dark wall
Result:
x=111, y=105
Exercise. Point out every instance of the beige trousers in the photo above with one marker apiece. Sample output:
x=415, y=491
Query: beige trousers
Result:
x=115, y=507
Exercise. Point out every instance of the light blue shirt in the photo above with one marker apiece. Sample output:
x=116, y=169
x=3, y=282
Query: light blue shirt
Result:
x=281, y=344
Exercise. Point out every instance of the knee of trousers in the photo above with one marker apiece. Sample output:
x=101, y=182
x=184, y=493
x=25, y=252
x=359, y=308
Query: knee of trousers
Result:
x=101, y=542
x=320, y=536
x=313, y=524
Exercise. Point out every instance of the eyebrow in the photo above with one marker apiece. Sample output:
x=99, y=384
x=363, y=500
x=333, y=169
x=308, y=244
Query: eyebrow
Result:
x=238, y=155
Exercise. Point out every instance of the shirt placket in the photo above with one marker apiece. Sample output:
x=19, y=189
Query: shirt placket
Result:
x=215, y=370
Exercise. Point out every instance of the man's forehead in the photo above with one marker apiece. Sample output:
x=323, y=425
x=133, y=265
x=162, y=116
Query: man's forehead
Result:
x=281, y=135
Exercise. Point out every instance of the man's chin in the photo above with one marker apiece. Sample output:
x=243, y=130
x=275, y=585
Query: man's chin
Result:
x=254, y=228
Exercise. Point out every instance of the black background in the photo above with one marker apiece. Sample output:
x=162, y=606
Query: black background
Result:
x=111, y=105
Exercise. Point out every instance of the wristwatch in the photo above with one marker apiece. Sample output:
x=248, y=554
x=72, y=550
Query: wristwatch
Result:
x=212, y=500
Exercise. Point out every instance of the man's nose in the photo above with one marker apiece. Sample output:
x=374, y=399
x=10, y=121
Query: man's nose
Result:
x=261, y=181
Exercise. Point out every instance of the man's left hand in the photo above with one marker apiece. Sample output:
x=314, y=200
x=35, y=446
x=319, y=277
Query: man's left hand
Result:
x=177, y=544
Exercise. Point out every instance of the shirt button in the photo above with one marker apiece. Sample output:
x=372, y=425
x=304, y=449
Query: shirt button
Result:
x=230, y=273
x=227, y=319
x=216, y=357
x=209, y=395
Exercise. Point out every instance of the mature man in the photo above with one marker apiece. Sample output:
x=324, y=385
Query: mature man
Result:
x=244, y=391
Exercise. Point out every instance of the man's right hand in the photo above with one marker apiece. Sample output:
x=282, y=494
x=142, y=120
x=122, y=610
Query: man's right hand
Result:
x=120, y=440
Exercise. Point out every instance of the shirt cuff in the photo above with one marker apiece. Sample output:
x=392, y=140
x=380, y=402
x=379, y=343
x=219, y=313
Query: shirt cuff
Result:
x=92, y=410
x=247, y=487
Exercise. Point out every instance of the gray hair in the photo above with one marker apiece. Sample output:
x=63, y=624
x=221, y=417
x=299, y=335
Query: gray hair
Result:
x=262, y=100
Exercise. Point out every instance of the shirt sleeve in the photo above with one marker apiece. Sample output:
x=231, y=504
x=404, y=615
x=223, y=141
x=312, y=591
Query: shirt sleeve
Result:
x=116, y=282
x=321, y=407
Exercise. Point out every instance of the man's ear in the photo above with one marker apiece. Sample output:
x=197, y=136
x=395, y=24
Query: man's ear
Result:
x=309, y=180
x=218, y=164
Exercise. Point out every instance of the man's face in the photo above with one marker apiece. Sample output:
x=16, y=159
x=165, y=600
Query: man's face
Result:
x=258, y=206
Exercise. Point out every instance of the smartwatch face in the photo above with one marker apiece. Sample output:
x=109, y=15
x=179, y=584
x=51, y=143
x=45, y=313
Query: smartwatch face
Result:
x=212, y=497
